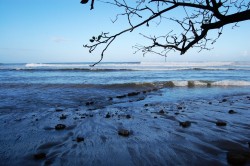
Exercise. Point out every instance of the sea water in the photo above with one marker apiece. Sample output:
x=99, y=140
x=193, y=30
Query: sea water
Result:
x=28, y=87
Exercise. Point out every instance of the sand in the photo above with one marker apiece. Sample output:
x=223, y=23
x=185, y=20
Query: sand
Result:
x=153, y=134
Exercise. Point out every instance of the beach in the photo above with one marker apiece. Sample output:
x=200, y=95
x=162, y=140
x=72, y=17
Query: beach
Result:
x=178, y=114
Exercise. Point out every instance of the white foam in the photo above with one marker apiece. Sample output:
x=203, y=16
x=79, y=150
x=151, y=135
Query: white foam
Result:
x=231, y=83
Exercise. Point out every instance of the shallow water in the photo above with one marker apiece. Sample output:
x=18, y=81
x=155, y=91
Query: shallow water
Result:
x=26, y=86
x=199, y=92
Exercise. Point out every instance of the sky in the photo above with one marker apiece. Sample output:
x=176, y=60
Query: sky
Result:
x=42, y=31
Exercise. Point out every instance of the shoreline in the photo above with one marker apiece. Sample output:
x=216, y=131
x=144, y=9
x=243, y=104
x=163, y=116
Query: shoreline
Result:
x=158, y=132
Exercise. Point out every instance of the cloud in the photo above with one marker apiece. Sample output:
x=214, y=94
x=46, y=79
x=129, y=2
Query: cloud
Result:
x=58, y=39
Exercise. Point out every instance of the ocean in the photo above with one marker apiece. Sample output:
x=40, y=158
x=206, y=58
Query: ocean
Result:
x=174, y=113
x=26, y=86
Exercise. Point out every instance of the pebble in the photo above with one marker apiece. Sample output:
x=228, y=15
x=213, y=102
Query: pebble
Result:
x=161, y=112
x=231, y=112
x=79, y=139
x=60, y=126
x=63, y=116
x=224, y=100
x=128, y=116
x=185, y=124
x=123, y=132
x=108, y=115
x=59, y=109
x=221, y=123
x=89, y=103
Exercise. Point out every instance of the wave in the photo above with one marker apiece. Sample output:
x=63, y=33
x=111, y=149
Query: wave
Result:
x=142, y=85
x=124, y=69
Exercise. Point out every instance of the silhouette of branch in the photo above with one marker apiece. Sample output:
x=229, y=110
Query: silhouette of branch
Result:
x=203, y=16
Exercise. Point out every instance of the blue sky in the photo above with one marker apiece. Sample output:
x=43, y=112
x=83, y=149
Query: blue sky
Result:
x=38, y=31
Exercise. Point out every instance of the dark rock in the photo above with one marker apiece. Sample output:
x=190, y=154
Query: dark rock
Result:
x=191, y=84
x=236, y=158
x=60, y=126
x=59, y=109
x=63, y=116
x=177, y=113
x=144, y=91
x=169, y=84
x=122, y=96
x=107, y=115
x=79, y=139
x=161, y=112
x=146, y=105
x=248, y=144
x=185, y=124
x=232, y=112
x=110, y=98
x=128, y=116
x=91, y=115
x=155, y=117
x=133, y=93
x=123, y=132
x=89, y=103
x=179, y=107
x=210, y=103
x=221, y=123
x=224, y=100
x=40, y=156
x=36, y=119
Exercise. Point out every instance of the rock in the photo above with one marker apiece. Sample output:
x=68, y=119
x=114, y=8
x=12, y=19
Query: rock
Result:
x=224, y=100
x=79, y=139
x=155, y=117
x=63, y=116
x=59, y=109
x=39, y=156
x=161, y=112
x=133, y=93
x=210, y=103
x=107, y=115
x=177, y=113
x=236, y=158
x=144, y=91
x=179, y=107
x=123, y=132
x=89, y=103
x=169, y=84
x=110, y=99
x=60, y=126
x=128, y=116
x=146, y=105
x=248, y=144
x=221, y=123
x=185, y=124
x=231, y=112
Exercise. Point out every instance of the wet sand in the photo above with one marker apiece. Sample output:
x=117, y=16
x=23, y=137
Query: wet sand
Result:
x=137, y=132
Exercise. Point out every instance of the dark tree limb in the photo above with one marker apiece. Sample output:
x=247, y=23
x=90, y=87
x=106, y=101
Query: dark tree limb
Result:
x=205, y=15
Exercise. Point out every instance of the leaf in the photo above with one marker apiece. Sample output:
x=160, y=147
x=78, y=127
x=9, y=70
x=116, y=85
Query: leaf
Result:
x=84, y=1
x=99, y=37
